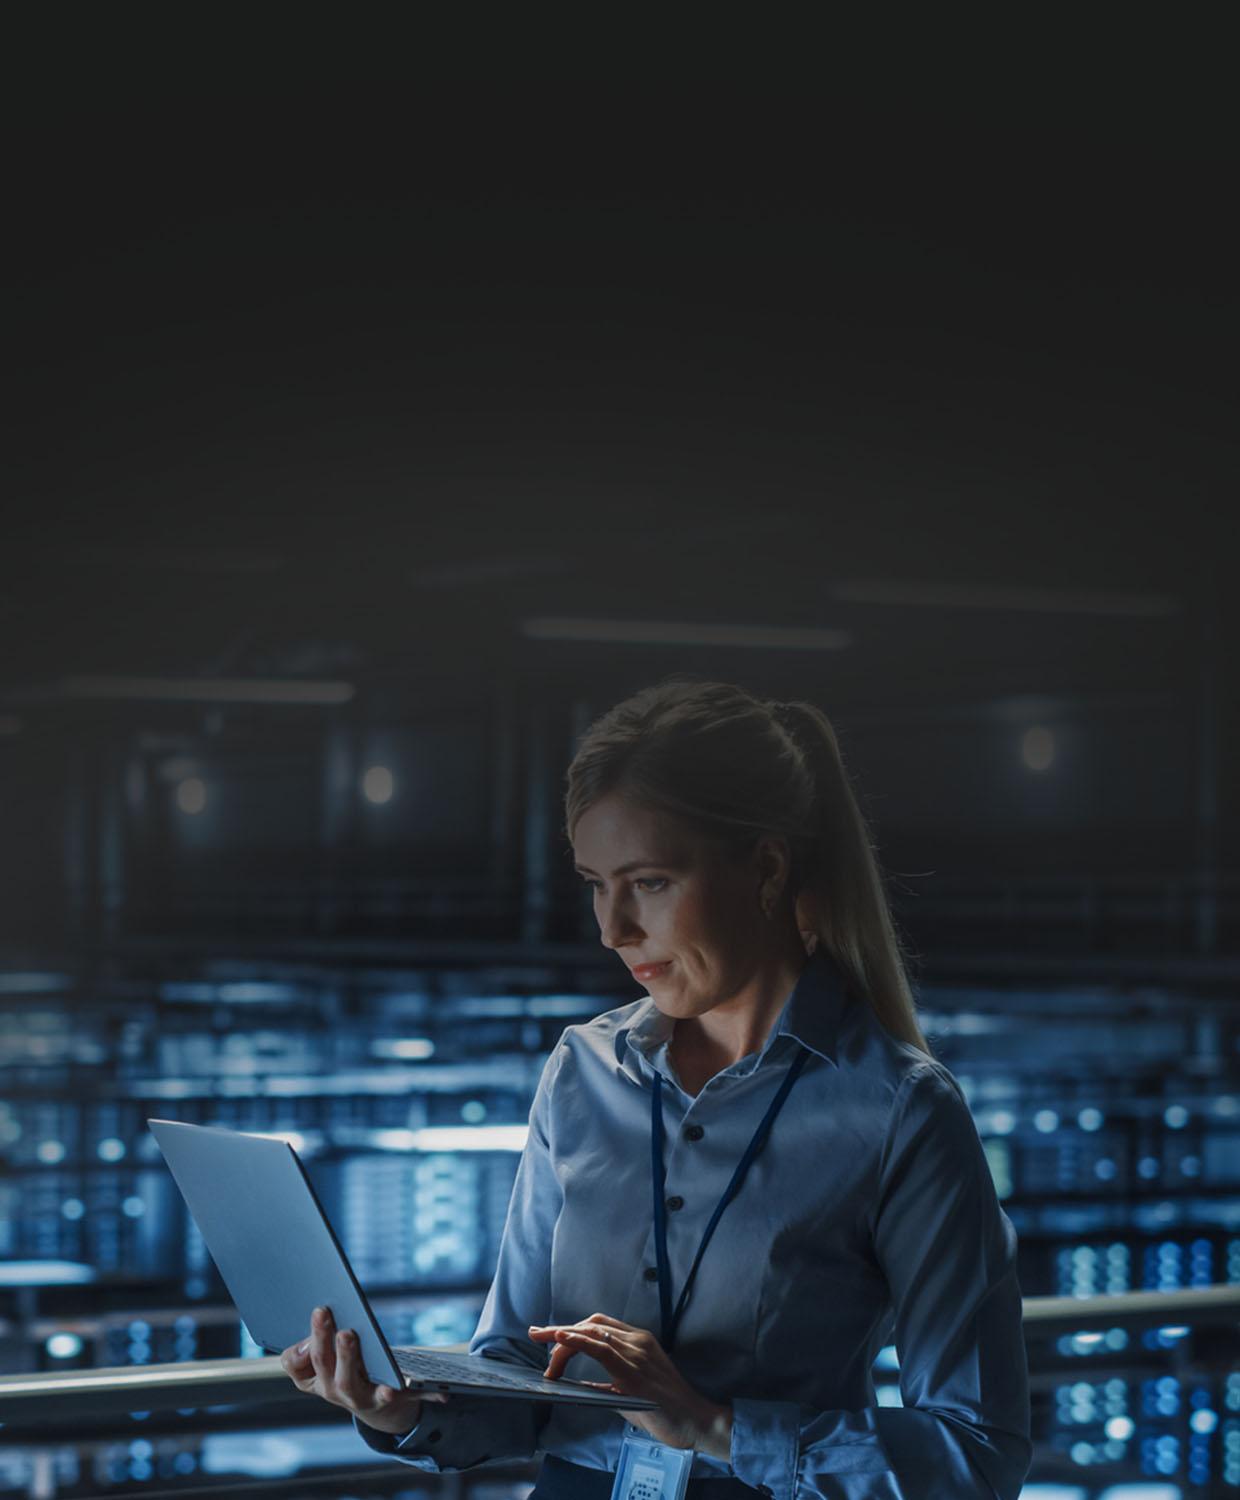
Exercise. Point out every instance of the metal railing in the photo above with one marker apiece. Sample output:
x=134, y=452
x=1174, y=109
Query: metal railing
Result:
x=45, y=1397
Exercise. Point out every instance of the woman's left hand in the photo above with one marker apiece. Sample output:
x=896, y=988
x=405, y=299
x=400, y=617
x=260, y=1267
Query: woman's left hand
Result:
x=638, y=1366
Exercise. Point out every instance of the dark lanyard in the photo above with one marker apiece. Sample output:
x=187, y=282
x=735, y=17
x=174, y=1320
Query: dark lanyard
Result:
x=670, y=1319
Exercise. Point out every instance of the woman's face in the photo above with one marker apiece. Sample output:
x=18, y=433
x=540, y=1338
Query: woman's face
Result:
x=683, y=916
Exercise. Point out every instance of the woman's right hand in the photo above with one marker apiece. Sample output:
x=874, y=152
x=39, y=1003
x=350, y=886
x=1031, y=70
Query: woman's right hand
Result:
x=329, y=1364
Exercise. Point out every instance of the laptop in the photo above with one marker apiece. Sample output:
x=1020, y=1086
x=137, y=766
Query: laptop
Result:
x=280, y=1258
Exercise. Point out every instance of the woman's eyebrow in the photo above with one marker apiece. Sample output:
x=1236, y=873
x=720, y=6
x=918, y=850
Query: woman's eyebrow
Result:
x=633, y=864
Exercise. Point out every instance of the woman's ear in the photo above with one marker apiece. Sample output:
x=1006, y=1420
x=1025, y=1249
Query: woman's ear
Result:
x=774, y=862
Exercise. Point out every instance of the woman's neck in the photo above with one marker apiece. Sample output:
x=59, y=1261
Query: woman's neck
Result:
x=736, y=1027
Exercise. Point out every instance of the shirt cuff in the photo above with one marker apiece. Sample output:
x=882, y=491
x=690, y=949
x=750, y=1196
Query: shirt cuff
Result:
x=765, y=1435
x=397, y=1445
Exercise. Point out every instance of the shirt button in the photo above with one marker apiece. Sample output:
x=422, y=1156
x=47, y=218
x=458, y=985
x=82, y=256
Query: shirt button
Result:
x=433, y=1437
x=675, y=1202
x=694, y=1132
x=651, y=1273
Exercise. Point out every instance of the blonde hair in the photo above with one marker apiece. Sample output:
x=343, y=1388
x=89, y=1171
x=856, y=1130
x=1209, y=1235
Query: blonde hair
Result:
x=737, y=767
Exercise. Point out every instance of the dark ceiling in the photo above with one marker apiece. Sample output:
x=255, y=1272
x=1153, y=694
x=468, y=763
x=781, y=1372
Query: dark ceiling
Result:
x=317, y=379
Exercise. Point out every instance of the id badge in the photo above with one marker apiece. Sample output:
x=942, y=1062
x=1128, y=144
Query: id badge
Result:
x=651, y=1471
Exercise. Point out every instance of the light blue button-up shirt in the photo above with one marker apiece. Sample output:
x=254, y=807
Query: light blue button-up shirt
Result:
x=870, y=1217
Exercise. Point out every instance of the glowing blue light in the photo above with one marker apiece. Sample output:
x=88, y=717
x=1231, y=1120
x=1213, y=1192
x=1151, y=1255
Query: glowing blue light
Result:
x=1140, y=1492
x=1120, y=1428
x=44, y=1273
x=25, y=983
x=64, y=1345
x=1090, y=1118
x=463, y=1137
x=50, y=1152
x=404, y=1049
x=378, y=785
x=1046, y=1121
x=191, y=795
x=110, y=1149
x=1176, y=1116
x=1037, y=747
x=281, y=1452
x=254, y=991
x=1203, y=1420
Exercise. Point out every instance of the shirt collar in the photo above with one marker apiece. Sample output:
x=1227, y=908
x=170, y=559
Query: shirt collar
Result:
x=811, y=1016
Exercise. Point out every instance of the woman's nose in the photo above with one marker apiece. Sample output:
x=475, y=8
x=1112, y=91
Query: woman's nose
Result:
x=616, y=925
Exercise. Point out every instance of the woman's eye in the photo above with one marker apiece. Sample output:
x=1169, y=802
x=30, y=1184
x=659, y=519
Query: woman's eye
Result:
x=651, y=884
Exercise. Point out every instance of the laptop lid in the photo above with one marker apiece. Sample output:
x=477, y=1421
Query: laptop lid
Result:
x=266, y=1231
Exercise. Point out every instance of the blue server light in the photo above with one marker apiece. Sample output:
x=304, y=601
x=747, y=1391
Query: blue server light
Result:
x=64, y=1345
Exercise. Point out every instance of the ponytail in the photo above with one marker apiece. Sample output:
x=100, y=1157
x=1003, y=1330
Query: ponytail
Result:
x=841, y=883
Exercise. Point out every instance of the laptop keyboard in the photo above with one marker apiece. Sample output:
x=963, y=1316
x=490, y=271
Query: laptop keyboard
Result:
x=430, y=1366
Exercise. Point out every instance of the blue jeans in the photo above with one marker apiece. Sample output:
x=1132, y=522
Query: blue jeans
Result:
x=560, y=1480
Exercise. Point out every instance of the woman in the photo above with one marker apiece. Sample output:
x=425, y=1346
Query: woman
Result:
x=732, y=872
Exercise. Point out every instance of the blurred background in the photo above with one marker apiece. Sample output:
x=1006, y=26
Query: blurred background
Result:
x=371, y=433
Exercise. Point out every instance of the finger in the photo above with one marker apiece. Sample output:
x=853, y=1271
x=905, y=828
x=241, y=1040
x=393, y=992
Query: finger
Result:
x=611, y=1322
x=298, y=1365
x=560, y=1357
x=609, y=1352
x=627, y=1340
x=549, y=1330
x=630, y=1334
x=352, y=1383
x=296, y=1357
x=322, y=1348
x=617, y=1333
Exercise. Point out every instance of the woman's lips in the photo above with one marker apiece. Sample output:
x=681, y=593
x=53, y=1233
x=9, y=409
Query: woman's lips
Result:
x=646, y=972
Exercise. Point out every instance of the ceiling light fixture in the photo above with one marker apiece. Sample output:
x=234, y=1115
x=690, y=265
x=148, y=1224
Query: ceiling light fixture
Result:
x=685, y=633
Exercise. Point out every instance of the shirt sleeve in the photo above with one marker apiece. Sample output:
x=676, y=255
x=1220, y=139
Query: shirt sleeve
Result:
x=467, y=1431
x=949, y=1255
